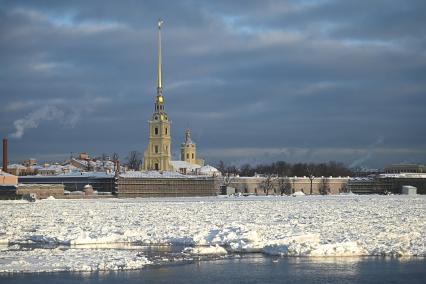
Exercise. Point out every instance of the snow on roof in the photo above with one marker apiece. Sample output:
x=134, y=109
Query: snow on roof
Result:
x=5, y=174
x=57, y=168
x=16, y=166
x=403, y=175
x=155, y=174
x=36, y=167
x=74, y=174
x=184, y=165
x=362, y=178
x=207, y=169
x=88, y=174
x=37, y=185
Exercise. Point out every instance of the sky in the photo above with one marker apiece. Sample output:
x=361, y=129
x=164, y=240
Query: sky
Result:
x=255, y=81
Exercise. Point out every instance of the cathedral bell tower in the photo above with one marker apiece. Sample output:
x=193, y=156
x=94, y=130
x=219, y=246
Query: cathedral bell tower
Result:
x=157, y=155
x=188, y=150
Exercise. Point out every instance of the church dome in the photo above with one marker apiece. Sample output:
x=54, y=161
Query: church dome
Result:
x=209, y=170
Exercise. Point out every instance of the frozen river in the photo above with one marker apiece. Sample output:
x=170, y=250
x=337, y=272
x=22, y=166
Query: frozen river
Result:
x=94, y=235
x=252, y=268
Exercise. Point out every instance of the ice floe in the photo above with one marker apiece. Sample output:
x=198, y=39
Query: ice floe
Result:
x=50, y=260
x=284, y=226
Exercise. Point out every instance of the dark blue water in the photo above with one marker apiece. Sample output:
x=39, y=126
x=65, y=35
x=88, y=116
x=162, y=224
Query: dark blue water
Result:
x=254, y=268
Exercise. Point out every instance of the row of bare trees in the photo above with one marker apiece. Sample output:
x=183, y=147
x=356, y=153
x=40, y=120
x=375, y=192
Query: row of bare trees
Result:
x=282, y=168
x=284, y=185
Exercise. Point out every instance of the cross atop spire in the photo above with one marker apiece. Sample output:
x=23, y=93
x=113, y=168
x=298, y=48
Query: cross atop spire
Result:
x=160, y=67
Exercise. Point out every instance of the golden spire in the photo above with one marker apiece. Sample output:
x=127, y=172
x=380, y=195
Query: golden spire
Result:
x=159, y=75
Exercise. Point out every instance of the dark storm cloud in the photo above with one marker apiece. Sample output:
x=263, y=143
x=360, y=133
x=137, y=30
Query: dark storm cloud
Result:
x=255, y=80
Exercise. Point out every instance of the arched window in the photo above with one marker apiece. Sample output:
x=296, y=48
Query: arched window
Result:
x=156, y=131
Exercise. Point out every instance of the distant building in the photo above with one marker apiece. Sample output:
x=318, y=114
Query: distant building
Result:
x=30, y=162
x=83, y=156
x=405, y=168
x=100, y=181
x=387, y=183
x=18, y=170
x=8, y=179
x=91, y=165
x=41, y=191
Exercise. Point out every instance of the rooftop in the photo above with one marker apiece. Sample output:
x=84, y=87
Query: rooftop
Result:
x=156, y=174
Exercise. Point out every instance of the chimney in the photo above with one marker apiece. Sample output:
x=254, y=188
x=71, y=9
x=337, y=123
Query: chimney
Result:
x=5, y=161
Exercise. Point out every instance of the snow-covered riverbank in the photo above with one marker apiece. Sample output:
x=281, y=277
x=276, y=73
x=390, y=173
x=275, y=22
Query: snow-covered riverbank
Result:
x=293, y=226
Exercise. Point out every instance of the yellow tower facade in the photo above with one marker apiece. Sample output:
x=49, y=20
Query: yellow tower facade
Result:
x=157, y=155
x=188, y=150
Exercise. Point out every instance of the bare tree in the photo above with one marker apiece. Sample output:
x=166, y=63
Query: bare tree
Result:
x=227, y=179
x=115, y=157
x=324, y=186
x=134, y=160
x=284, y=185
x=268, y=183
x=310, y=170
x=221, y=167
x=344, y=188
x=116, y=161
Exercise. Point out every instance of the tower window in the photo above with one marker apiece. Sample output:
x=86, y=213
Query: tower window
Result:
x=166, y=130
x=156, y=148
x=187, y=156
x=156, y=167
x=193, y=155
x=156, y=131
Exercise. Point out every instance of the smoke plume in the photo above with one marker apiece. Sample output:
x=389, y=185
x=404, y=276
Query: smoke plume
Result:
x=46, y=113
x=368, y=155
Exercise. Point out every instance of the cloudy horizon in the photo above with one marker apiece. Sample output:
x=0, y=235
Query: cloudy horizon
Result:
x=255, y=81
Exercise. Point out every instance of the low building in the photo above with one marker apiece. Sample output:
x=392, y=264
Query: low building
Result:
x=8, y=179
x=91, y=165
x=368, y=185
x=165, y=184
x=405, y=168
x=17, y=169
x=185, y=168
x=41, y=191
x=387, y=183
x=100, y=181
